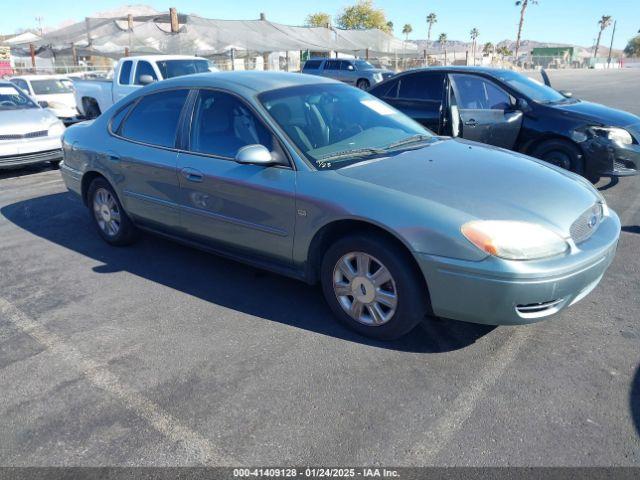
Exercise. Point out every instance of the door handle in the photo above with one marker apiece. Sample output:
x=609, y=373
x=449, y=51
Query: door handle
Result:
x=192, y=174
x=114, y=158
x=471, y=123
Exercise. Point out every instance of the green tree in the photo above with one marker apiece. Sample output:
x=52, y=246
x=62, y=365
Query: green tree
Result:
x=504, y=51
x=406, y=30
x=603, y=23
x=442, y=40
x=361, y=16
x=318, y=19
x=633, y=47
x=390, y=25
x=523, y=4
x=431, y=19
x=488, y=48
x=474, y=37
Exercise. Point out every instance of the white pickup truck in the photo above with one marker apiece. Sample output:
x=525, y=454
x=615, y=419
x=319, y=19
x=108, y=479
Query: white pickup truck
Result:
x=130, y=73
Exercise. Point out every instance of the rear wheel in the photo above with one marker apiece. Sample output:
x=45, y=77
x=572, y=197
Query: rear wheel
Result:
x=112, y=222
x=91, y=108
x=363, y=84
x=373, y=287
x=565, y=155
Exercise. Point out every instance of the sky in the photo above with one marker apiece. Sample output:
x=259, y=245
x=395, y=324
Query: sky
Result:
x=562, y=21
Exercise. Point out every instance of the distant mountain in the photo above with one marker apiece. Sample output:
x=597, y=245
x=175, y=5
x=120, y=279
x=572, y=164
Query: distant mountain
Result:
x=526, y=46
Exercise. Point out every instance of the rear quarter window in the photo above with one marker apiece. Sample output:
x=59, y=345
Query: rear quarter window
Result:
x=312, y=64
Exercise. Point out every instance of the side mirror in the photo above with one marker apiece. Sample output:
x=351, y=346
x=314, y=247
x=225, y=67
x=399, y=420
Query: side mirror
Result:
x=520, y=104
x=43, y=103
x=146, y=79
x=565, y=94
x=255, y=155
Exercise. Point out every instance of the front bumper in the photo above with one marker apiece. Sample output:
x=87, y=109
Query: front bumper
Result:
x=610, y=159
x=18, y=160
x=501, y=292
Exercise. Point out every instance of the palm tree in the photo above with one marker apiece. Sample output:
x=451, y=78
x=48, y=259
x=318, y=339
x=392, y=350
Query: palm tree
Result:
x=431, y=19
x=474, y=36
x=488, y=48
x=406, y=30
x=603, y=23
x=504, y=51
x=523, y=4
x=442, y=40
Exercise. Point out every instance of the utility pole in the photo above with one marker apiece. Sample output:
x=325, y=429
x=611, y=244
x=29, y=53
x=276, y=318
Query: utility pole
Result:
x=39, y=20
x=175, y=25
x=611, y=46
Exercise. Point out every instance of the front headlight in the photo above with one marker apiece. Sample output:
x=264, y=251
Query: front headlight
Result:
x=377, y=77
x=58, y=105
x=618, y=135
x=56, y=129
x=514, y=240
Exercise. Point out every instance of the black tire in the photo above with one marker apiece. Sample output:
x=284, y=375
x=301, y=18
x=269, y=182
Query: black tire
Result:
x=561, y=153
x=126, y=232
x=55, y=163
x=363, y=84
x=412, y=298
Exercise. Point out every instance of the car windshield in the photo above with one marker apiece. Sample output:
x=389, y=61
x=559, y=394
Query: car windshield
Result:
x=535, y=90
x=11, y=98
x=50, y=86
x=334, y=125
x=363, y=65
x=178, y=68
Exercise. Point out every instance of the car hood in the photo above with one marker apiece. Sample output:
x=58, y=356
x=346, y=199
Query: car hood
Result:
x=473, y=181
x=598, y=114
x=25, y=120
x=66, y=99
x=381, y=70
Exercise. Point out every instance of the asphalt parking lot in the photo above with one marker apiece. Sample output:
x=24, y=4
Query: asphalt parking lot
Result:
x=157, y=354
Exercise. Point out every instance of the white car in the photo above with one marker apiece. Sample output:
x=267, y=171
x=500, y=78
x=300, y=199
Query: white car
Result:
x=50, y=91
x=28, y=133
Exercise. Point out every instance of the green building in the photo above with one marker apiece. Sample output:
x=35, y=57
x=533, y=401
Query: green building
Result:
x=554, y=56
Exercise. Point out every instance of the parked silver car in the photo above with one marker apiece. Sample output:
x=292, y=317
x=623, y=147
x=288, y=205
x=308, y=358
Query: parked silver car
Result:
x=28, y=133
x=359, y=73
x=323, y=182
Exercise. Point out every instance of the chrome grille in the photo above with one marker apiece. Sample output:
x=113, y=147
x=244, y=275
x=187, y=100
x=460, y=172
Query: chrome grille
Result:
x=586, y=224
x=20, y=136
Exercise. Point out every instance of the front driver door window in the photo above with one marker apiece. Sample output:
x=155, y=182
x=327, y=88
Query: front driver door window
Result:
x=485, y=111
x=228, y=203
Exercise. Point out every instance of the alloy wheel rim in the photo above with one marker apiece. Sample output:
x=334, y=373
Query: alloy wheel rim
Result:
x=106, y=212
x=365, y=288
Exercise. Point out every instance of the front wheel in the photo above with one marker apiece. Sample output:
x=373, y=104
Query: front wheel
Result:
x=373, y=287
x=564, y=155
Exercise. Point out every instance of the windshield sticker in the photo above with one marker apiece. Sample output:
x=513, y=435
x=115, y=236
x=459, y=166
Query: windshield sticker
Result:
x=378, y=107
x=8, y=91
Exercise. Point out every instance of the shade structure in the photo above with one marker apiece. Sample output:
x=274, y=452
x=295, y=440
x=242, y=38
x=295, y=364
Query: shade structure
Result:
x=196, y=35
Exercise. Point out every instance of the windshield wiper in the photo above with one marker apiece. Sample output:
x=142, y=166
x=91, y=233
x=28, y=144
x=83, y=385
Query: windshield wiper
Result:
x=355, y=153
x=420, y=137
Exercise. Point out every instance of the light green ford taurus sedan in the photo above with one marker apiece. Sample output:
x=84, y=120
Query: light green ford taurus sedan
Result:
x=321, y=181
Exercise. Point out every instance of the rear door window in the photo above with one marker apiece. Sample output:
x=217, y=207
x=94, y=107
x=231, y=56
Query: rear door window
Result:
x=125, y=73
x=332, y=65
x=422, y=86
x=154, y=119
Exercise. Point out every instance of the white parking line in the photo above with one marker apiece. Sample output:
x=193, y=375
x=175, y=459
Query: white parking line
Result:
x=200, y=447
x=437, y=437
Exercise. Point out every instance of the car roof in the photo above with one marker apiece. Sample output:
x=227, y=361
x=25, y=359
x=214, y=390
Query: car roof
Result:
x=257, y=81
x=155, y=58
x=39, y=77
x=461, y=69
